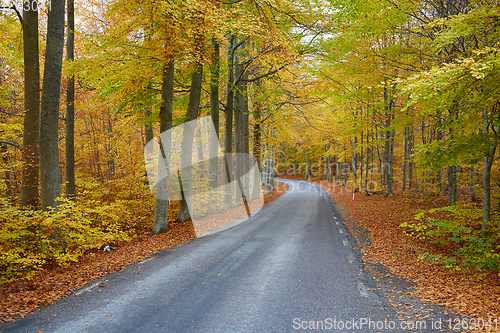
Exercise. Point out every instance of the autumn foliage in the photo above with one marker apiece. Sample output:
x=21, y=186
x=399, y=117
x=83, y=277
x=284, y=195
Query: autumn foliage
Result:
x=400, y=97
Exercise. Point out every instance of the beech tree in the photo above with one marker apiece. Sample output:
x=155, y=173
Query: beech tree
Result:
x=160, y=223
x=187, y=139
x=51, y=89
x=70, y=106
x=31, y=127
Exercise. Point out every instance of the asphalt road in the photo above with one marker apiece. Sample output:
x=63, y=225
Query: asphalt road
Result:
x=289, y=268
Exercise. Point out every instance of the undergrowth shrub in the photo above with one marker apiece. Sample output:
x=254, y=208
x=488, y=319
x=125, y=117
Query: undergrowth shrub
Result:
x=461, y=225
x=29, y=240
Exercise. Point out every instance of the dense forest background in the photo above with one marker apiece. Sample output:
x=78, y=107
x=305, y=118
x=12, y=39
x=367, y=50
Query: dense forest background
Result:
x=397, y=96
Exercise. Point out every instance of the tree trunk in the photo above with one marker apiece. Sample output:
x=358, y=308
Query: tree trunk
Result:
x=440, y=137
x=228, y=146
x=325, y=169
x=51, y=89
x=337, y=170
x=473, y=182
x=389, y=143
x=238, y=122
x=368, y=152
x=360, y=159
x=246, y=134
x=109, y=146
x=256, y=143
x=329, y=175
x=6, y=161
x=354, y=162
x=70, y=107
x=380, y=162
x=148, y=128
x=405, y=160
x=187, y=141
x=160, y=223
x=214, y=113
x=488, y=162
x=256, y=131
x=411, y=164
x=452, y=185
x=307, y=165
x=31, y=126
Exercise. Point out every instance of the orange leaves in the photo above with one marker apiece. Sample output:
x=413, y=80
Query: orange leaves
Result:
x=472, y=292
x=52, y=283
x=22, y=297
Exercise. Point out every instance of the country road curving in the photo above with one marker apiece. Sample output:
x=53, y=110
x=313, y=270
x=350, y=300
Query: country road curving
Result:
x=290, y=268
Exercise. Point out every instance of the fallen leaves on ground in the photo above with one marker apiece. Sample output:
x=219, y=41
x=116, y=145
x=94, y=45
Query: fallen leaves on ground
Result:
x=22, y=297
x=472, y=292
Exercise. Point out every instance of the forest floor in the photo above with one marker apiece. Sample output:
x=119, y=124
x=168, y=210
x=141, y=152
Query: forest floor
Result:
x=471, y=292
x=22, y=297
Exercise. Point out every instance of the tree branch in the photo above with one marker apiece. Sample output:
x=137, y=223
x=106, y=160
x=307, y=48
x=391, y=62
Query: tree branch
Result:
x=229, y=3
x=2, y=142
x=264, y=75
x=19, y=16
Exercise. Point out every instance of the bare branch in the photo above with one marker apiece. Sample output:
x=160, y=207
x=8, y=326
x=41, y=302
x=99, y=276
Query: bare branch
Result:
x=2, y=142
x=229, y=3
x=19, y=16
x=264, y=75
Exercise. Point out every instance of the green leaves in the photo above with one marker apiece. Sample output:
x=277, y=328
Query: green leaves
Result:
x=457, y=224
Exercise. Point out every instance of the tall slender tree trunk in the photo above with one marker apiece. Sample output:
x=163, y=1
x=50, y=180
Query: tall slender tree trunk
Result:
x=108, y=124
x=389, y=142
x=246, y=134
x=453, y=169
x=329, y=175
x=380, y=161
x=238, y=120
x=354, y=162
x=440, y=179
x=148, y=128
x=31, y=126
x=241, y=122
x=214, y=113
x=488, y=162
x=187, y=140
x=228, y=146
x=160, y=223
x=6, y=161
x=307, y=165
x=256, y=129
x=452, y=185
x=360, y=159
x=405, y=160
x=368, y=153
x=473, y=182
x=257, y=111
x=51, y=90
x=70, y=106
x=411, y=164
x=337, y=170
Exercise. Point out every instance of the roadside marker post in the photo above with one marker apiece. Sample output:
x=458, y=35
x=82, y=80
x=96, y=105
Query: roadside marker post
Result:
x=170, y=208
x=352, y=208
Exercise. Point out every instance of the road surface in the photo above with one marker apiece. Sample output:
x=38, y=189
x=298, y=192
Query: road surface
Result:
x=290, y=268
